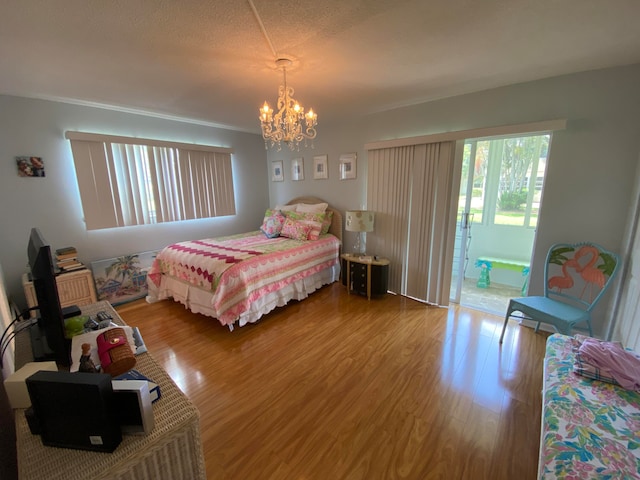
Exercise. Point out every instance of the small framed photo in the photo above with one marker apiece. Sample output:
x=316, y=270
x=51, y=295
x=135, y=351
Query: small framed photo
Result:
x=320, y=167
x=277, y=174
x=297, y=169
x=348, y=166
x=30, y=166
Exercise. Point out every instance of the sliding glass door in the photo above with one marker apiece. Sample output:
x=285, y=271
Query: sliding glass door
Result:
x=465, y=219
x=501, y=188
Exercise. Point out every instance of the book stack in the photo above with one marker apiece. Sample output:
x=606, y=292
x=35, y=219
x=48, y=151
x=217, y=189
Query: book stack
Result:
x=67, y=260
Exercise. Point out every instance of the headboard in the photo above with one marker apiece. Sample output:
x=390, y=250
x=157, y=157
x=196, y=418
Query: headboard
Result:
x=336, y=221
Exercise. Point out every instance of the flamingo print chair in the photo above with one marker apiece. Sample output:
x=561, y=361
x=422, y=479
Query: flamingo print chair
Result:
x=576, y=277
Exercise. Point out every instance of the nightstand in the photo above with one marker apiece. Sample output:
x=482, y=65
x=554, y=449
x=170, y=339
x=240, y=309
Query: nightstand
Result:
x=364, y=274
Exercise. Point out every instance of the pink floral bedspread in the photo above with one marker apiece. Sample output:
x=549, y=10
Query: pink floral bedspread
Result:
x=239, y=269
x=590, y=429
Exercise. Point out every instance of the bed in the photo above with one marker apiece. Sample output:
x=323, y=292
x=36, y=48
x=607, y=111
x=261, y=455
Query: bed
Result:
x=237, y=279
x=590, y=429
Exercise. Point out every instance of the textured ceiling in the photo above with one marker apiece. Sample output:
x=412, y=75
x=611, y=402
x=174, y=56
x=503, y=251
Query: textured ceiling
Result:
x=208, y=61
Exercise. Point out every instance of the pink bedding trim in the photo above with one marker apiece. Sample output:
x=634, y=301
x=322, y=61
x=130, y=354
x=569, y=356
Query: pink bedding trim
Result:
x=232, y=314
x=258, y=276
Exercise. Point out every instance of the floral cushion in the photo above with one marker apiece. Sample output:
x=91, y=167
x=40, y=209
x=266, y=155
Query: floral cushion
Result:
x=273, y=223
x=312, y=219
x=589, y=428
x=295, y=229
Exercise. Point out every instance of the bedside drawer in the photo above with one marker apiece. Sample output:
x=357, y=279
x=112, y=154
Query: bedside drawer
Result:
x=365, y=277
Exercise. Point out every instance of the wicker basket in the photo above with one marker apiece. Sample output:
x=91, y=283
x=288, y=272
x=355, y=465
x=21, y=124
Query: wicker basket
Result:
x=115, y=354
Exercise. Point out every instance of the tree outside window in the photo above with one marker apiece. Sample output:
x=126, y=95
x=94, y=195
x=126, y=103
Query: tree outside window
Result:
x=508, y=175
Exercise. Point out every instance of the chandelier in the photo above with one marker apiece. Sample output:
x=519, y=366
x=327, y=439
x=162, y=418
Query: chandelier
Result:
x=287, y=124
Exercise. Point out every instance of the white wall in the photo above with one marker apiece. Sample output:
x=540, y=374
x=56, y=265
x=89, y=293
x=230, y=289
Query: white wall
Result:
x=627, y=325
x=36, y=128
x=591, y=165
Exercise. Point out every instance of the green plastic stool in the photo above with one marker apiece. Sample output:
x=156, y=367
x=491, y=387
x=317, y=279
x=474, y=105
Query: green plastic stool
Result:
x=484, y=281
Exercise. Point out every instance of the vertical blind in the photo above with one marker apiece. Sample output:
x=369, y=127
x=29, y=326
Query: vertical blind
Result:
x=126, y=182
x=412, y=190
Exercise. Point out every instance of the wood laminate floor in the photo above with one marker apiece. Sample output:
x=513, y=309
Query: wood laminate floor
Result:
x=339, y=387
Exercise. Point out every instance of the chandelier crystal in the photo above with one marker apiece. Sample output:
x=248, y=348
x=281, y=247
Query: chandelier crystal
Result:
x=287, y=124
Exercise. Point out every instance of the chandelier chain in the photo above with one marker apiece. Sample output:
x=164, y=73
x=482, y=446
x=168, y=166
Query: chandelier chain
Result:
x=264, y=30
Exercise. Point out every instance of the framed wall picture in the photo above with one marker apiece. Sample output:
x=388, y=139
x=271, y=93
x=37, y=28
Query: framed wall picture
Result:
x=320, y=167
x=348, y=166
x=297, y=169
x=277, y=174
x=30, y=166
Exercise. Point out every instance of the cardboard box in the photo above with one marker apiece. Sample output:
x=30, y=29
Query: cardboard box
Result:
x=17, y=388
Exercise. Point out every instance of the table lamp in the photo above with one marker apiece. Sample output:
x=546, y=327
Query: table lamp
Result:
x=359, y=221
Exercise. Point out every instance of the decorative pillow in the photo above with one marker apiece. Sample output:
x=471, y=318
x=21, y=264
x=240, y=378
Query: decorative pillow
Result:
x=326, y=223
x=312, y=208
x=295, y=230
x=286, y=208
x=312, y=219
x=272, y=224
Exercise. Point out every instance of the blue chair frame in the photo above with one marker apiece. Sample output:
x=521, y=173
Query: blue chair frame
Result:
x=563, y=305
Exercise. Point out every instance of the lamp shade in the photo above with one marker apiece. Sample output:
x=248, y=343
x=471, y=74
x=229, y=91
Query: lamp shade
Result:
x=359, y=221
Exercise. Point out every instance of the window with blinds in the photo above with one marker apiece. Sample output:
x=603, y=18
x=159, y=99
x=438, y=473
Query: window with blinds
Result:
x=132, y=181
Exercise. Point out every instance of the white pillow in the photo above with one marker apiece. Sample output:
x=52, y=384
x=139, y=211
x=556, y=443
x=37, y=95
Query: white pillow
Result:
x=309, y=208
x=286, y=208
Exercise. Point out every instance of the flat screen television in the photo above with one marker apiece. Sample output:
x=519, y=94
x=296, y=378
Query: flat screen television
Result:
x=48, y=341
